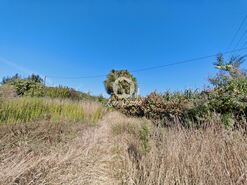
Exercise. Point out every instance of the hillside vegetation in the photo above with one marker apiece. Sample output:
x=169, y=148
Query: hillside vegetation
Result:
x=56, y=135
x=26, y=109
x=33, y=86
x=120, y=150
x=226, y=101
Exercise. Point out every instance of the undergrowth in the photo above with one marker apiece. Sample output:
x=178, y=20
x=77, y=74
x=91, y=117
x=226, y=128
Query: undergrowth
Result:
x=178, y=156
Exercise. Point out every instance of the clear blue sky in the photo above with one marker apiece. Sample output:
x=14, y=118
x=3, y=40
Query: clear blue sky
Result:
x=91, y=37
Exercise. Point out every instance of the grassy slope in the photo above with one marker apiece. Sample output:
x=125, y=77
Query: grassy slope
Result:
x=44, y=141
x=26, y=109
x=118, y=150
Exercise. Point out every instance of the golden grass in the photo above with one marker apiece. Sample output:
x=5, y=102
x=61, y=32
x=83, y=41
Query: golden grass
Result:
x=185, y=157
x=47, y=153
x=120, y=150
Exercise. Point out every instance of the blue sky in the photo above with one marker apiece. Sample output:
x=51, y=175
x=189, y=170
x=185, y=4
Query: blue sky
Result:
x=91, y=37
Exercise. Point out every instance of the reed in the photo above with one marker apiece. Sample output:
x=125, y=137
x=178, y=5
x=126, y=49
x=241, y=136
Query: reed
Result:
x=26, y=109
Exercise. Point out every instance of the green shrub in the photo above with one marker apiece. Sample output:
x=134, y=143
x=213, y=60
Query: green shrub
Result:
x=144, y=136
x=34, y=86
x=31, y=85
x=230, y=101
x=227, y=100
x=193, y=109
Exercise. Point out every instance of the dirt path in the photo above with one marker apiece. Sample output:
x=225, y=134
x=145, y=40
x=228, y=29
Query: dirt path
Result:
x=91, y=157
x=85, y=160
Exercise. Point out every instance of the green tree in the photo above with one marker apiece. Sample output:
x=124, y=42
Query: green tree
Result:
x=35, y=78
x=227, y=70
x=9, y=79
x=32, y=85
x=124, y=86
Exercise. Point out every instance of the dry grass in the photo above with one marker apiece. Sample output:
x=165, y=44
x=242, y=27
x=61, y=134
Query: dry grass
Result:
x=48, y=153
x=64, y=142
x=120, y=150
x=186, y=157
x=7, y=91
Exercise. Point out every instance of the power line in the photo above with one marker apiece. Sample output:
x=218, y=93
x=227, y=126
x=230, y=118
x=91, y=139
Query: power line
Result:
x=236, y=33
x=153, y=67
x=74, y=78
x=187, y=61
x=241, y=38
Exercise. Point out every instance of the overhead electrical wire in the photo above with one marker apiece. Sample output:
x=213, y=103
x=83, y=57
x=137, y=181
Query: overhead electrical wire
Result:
x=241, y=38
x=170, y=64
x=236, y=33
x=187, y=61
x=150, y=68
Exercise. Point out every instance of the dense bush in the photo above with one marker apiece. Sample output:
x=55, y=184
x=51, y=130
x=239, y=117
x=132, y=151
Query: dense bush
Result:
x=226, y=101
x=231, y=101
x=24, y=86
x=34, y=86
x=162, y=109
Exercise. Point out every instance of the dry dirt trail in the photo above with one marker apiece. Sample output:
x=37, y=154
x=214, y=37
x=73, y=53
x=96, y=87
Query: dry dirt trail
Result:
x=91, y=156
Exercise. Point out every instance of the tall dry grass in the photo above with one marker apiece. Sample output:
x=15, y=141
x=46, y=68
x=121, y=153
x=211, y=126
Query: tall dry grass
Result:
x=120, y=150
x=184, y=157
x=48, y=153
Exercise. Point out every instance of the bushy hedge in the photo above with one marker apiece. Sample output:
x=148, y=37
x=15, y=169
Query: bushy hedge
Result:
x=227, y=103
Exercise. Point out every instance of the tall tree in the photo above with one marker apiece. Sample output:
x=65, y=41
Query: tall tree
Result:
x=227, y=70
x=123, y=85
x=9, y=79
x=35, y=78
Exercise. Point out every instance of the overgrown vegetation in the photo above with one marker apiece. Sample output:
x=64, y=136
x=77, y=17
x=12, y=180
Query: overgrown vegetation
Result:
x=180, y=156
x=33, y=86
x=47, y=153
x=138, y=130
x=226, y=100
x=26, y=109
x=44, y=131
x=42, y=140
